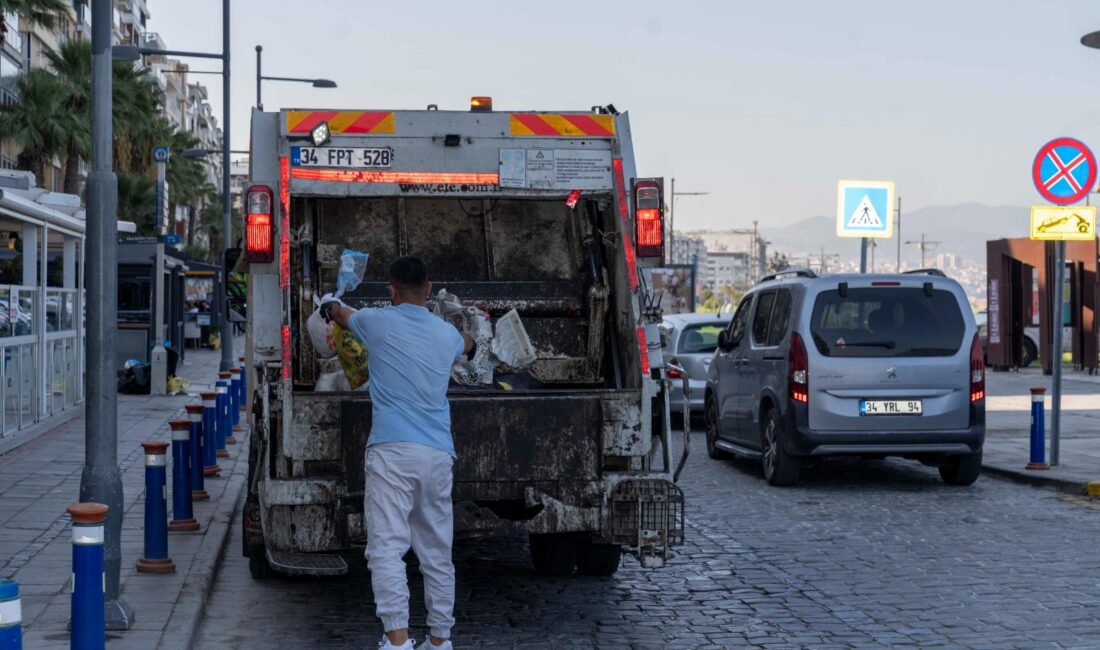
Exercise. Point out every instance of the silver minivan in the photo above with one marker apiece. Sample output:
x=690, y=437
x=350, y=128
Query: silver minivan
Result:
x=864, y=365
x=689, y=341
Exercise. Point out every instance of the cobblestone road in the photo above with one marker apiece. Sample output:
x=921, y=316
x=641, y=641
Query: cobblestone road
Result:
x=860, y=554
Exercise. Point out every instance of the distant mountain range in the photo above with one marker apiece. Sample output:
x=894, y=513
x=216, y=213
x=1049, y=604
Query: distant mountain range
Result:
x=960, y=229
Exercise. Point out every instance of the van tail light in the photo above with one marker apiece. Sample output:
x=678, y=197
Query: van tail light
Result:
x=259, y=225
x=643, y=350
x=977, y=370
x=799, y=362
x=671, y=372
x=649, y=226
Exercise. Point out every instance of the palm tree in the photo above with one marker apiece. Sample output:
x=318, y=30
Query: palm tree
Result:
x=38, y=123
x=36, y=13
x=73, y=65
x=136, y=195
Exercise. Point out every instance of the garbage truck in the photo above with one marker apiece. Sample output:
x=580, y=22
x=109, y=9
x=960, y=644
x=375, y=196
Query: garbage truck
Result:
x=533, y=211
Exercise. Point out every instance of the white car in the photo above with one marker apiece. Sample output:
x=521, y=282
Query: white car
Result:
x=1031, y=339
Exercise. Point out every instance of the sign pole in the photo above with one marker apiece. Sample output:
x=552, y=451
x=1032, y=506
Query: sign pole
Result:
x=1056, y=362
x=862, y=254
x=158, y=376
x=1062, y=184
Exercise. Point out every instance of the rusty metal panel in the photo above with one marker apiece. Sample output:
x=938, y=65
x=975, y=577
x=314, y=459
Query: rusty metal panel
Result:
x=511, y=440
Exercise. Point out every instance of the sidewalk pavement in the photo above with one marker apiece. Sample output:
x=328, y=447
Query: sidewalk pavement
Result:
x=39, y=479
x=1008, y=429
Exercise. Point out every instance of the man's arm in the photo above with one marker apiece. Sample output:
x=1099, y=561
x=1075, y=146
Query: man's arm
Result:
x=467, y=343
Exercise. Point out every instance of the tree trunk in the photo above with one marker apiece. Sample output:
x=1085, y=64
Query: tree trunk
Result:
x=191, y=219
x=72, y=174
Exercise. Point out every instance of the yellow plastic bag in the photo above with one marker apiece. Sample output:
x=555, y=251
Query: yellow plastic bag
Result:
x=353, y=356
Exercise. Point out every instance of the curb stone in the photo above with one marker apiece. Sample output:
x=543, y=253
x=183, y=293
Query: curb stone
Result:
x=1036, y=478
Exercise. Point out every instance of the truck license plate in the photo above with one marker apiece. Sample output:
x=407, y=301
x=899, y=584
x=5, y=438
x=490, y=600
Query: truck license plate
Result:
x=891, y=407
x=346, y=157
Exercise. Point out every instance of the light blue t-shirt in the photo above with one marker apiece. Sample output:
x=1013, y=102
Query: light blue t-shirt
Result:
x=411, y=352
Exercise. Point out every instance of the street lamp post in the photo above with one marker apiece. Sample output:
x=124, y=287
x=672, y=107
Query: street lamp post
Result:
x=671, y=224
x=317, y=83
x=101, y=479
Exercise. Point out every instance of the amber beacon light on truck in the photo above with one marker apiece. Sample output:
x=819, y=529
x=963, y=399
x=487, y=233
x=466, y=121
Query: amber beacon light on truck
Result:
x=649, y=218
x=259, y=230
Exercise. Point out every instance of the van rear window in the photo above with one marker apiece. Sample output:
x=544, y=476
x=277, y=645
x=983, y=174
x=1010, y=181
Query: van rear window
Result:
x=887, y=322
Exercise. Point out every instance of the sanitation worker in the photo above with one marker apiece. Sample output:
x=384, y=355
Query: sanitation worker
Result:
x=410, y=450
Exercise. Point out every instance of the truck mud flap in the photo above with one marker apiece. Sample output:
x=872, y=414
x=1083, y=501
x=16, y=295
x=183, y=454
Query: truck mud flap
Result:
x=647, y=517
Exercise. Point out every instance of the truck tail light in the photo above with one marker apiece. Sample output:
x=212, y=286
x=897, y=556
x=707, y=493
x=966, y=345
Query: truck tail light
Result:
x=259, y=225
x=799, y=362
x=977, y=370
x=643, y=349
x=649, y=224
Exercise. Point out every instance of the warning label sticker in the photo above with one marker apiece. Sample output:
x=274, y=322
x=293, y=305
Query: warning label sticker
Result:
x=555, y=169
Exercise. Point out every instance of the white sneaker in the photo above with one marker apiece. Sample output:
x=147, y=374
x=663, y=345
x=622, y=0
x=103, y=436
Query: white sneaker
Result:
x=385, y=644
x=427, y=645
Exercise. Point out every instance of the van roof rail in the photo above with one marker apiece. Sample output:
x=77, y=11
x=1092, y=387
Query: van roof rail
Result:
x=798, y=273
x=936, y=272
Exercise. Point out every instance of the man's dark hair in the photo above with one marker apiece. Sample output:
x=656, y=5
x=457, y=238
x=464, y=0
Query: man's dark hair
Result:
x=408, y=273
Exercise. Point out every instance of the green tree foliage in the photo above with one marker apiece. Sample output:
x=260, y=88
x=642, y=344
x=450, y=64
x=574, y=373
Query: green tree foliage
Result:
x=73, y=65
x=41, y=13
x=53, y=118
x=39, y=122
x=778, y=262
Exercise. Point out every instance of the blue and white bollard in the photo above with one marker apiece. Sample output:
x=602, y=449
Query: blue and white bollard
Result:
x=224, y=425
x=194, y=437
x=234, y=405
x=11, y=616
x=88, y=621
x=155, y=559
x=210, y=433
x=1038, y=430
x=183, y=518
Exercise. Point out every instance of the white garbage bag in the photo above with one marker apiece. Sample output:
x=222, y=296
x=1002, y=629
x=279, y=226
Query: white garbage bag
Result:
x=331, y=381
x=320, y=332
x=511, y=345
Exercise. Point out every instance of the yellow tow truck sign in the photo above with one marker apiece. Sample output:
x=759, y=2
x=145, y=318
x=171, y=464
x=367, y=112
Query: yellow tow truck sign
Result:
x=1057, y=223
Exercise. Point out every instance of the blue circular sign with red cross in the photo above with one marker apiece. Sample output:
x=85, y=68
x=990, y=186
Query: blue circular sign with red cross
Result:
x=1064, y=171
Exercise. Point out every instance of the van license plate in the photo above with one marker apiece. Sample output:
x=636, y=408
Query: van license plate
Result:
x=891, y=407
x=346, y=157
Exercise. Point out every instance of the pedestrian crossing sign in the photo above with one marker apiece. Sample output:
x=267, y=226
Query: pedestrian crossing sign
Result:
x=864, y=209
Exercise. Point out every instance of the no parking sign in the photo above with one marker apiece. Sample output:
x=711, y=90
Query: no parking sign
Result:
x=1064, y=171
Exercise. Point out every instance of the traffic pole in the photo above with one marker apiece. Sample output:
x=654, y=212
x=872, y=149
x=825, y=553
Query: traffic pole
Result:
x=1056, y=366
x=195, y=464
x=183, y=518
x=101, y=479
x=234, y=404
x=863, y=254
x=210, y=433
x=155, y=559
x=1038, y=416
x=88, y=622
x=221, y=404
x=11, y=616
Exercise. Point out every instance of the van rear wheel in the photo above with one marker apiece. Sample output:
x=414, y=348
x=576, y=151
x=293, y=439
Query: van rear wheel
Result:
x=962, y=470
x=780, y=468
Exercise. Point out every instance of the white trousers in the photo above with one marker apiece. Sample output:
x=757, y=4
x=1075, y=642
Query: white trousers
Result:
x=408, y=504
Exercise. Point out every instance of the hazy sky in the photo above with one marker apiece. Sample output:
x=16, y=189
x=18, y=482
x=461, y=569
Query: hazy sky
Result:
x=765, y=104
